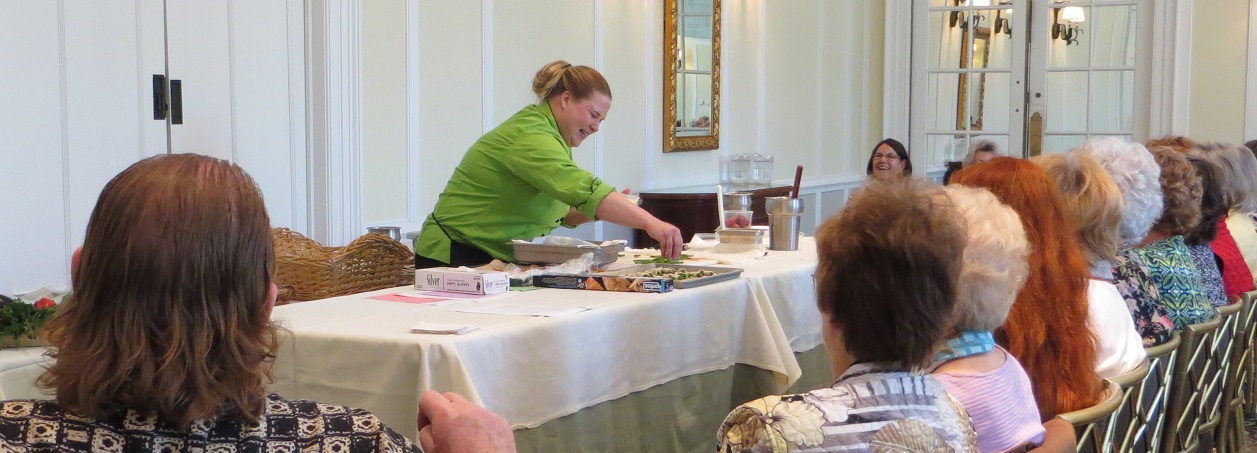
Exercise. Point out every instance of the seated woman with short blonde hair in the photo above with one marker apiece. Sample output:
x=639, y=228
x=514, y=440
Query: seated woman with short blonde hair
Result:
x=886, y=289
x=1094, y=205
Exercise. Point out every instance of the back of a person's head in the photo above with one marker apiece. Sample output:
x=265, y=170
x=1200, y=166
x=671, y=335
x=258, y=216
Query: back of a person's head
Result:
x=559, y=76
x=1137, y=175
x=1213, y=205
x=168, y=314
x=1180, y=191
x=995, y=255
x=984, y=145
x=1092, y=201
x=887, y=270
x=1047, y=327
x=1238, y=173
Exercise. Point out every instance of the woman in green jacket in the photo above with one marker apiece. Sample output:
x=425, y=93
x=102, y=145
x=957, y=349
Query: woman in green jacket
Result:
x=519, y=181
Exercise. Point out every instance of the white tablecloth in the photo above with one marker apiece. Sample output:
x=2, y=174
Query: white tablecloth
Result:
x=19, y=368
x=358, y=352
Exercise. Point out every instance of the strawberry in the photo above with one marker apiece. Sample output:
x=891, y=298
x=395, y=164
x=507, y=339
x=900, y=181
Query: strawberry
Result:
x=44, y=303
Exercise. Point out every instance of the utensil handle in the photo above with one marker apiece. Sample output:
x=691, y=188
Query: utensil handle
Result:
x=798, y=178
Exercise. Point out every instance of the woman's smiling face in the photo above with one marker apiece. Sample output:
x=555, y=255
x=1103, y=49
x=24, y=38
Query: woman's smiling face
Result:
x=579, y=118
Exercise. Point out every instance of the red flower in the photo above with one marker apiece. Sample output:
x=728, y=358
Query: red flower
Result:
x=44, y=303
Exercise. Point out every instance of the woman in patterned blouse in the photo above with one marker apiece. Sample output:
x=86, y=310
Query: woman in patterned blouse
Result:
x=1199, y=239
x=885, y=284
x=1137, y=175
x=1164, y=250
x=167, y=337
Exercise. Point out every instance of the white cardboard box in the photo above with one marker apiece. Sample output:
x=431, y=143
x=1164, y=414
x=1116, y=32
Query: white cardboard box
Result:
x=461, y=280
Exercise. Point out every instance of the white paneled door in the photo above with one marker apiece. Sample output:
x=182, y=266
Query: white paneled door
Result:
x=1034, y=76
x=77, y=105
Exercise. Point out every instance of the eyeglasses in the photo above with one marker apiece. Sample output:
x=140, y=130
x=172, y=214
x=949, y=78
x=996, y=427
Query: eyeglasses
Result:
x=890, y=157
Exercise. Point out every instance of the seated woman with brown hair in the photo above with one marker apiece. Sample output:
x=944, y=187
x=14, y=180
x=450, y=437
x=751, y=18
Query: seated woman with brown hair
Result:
x=1213, y=207
x=1164, y=250
x=886, y=288
x=1094, y=205
x=1047, y=328
x=166, y=340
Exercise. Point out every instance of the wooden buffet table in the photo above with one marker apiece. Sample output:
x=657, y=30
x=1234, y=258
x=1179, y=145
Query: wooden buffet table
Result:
x=693, y=209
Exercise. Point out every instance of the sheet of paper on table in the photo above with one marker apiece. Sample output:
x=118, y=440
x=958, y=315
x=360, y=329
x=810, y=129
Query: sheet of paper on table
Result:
x=442, y=328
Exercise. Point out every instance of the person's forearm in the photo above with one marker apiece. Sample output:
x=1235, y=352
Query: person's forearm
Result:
x=617, y=209
x=575, y=217
x=1059, y=437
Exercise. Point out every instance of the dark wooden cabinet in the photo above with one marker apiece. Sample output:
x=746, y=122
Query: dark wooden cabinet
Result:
x=693, y=209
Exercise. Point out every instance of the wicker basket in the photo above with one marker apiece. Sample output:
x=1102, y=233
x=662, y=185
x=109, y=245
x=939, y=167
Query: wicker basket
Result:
x=307, y=270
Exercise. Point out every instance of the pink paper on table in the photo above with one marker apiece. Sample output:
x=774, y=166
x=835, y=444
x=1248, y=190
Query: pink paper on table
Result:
x=406, y=299
x=449, y=295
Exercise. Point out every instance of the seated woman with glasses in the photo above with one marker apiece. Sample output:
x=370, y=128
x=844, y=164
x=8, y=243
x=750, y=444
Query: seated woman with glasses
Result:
x=886, y=286
x=889, y=161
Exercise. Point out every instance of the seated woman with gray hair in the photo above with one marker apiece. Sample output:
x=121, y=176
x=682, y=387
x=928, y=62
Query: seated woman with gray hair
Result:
x=987, y=380
x=885, y=285
x=981, y=151
x=1093, y=204
x=1238, y=178
x=1136, y=174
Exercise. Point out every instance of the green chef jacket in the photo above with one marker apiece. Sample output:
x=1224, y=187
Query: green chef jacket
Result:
x=516, y=182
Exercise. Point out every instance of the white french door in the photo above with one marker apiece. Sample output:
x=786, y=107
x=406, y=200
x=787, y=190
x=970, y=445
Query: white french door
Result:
x=1031, y=75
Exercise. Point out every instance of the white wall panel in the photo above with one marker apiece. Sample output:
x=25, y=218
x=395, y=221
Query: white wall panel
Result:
x=791, y=86
x=1218, y=70
x=384, y=112
x=33, y=242
x=527, y=34
x=626, y=63
x=262, y=124
x=200, y=57
x=450, y=50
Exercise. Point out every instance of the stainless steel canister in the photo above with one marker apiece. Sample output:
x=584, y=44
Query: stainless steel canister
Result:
x=784, y=215
x=737, y=201
x=390, y=231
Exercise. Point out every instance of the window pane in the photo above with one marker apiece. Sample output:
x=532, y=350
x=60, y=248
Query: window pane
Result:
x=1066, y=101
x=988, y=101
x=945, y=50
x=943, y=93
x=1112, y=104
x=1061, y=143
x=1113, y=33
x=1066, y=47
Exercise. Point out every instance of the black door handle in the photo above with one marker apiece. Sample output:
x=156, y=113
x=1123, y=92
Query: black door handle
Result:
x=176, y=102
x=159, y=97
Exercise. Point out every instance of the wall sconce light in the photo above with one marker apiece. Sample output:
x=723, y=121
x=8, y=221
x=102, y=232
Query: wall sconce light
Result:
x=957, y=18
x=1065, y=24
x=1002, y=24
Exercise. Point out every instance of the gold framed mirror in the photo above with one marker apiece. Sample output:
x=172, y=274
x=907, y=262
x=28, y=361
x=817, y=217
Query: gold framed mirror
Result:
x=966, y=119
x=691, y=67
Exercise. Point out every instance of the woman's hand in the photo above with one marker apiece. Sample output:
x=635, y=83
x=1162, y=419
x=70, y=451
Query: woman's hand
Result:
x=668, y=236
x=448, y=423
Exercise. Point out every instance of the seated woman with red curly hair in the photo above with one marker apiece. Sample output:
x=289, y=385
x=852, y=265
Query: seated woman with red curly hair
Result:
x=885, y=283
x=1047, y=329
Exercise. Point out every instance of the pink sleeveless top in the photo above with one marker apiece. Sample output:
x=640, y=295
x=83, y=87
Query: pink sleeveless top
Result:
x=1000, y=403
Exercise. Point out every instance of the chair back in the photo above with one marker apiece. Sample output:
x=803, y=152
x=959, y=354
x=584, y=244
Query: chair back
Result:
x=1195, y=371
x=1092, y=424
x=307, y=270
x=1230, y=433
x=1142, y=430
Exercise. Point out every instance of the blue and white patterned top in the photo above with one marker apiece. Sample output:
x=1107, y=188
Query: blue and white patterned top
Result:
x=1210, y=275
x=1178, y=281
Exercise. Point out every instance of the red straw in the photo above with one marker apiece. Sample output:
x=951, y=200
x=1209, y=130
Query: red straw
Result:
x=798, y=177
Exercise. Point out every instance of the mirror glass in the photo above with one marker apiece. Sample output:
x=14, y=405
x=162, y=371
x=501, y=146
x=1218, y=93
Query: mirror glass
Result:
x=692, y=75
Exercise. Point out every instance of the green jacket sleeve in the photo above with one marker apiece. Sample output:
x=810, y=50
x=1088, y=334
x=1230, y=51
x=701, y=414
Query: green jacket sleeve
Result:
x=547, y=165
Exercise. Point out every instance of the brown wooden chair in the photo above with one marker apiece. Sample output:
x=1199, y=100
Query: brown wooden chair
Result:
x=306, y=270
x=1230, y=433
x=1093, y=425
x=1195, y=377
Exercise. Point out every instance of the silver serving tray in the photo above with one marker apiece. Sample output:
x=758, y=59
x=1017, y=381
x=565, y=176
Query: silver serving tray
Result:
x=722, y=273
